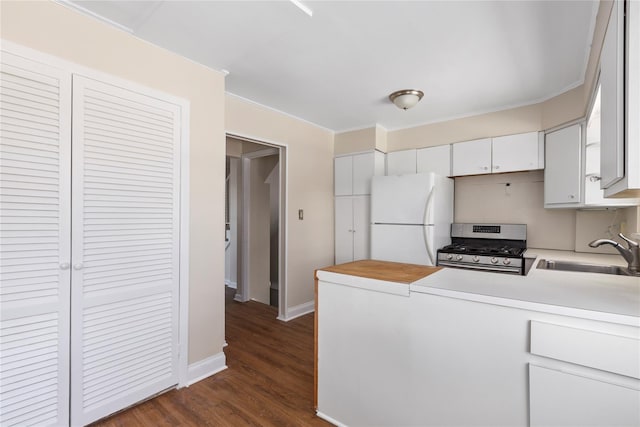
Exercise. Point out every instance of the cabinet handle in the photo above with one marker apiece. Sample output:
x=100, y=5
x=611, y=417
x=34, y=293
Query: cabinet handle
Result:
x=496, y=167
x=64, y=266
x=571, y=196
x=78, y=266
x=484, y=168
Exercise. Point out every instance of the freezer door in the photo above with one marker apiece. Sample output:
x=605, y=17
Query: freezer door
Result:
x=401, y=199
x=412, y=244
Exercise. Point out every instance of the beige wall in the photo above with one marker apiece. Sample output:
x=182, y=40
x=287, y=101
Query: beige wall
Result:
x=310, y=187
x=605, y=224
x=506, y=122
x=355, y=141
x=488, y=198
x=56, y=30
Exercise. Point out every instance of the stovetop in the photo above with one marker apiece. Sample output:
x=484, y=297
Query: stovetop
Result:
x=491, y=247
x=485, y=248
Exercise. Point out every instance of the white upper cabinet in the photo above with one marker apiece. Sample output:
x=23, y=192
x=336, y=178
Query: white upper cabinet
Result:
x=516, y=152
x=434, y=159
x=343, y=176
x=611, y=81
x=353, y=173
x=496, y=155
x=471, y=157
x=620, y=150
x=562, y=173
x=401, y=162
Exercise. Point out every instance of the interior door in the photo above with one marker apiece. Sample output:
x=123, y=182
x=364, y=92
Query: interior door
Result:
x=125, y=258
x=35, y=144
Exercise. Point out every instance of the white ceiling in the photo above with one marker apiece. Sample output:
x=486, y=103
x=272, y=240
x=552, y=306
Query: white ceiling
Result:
x=337, y=68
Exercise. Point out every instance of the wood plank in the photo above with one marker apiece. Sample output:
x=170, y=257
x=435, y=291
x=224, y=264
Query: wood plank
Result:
x=269, y=380
x=383, y=270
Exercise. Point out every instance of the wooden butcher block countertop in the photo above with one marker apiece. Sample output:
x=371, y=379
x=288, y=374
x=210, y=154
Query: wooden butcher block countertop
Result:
x=383, y=270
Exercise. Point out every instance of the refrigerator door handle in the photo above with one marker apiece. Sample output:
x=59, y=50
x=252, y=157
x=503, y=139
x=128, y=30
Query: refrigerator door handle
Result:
x=428, y=207
x=426, y=232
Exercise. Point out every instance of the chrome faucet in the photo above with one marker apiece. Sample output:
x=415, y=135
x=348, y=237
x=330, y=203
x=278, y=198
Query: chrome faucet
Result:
x=631, y=255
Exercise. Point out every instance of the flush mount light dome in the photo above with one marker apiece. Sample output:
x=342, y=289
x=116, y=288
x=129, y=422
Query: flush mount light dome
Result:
x=406, y=98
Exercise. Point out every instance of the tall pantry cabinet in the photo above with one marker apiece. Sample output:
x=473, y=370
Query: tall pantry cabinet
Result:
x=89, y=244
x=352, y=188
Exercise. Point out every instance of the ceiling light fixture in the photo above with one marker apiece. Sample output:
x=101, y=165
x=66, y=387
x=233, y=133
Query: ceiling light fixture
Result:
x=302, y=7
x=406, y=98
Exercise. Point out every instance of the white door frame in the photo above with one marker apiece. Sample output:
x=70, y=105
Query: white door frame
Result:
x=271, y=148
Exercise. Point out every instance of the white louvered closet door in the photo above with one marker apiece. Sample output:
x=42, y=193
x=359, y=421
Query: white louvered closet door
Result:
x=125, y=247
x=35, y=144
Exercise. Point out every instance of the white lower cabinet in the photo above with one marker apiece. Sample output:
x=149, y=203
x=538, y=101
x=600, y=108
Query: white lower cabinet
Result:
x=363, y=376
x=430, y=360
x=468, y=363
x=561, y=398
x=352, y=228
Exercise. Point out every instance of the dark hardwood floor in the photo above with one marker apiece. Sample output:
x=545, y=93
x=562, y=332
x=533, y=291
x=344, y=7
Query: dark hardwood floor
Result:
x=268, y=382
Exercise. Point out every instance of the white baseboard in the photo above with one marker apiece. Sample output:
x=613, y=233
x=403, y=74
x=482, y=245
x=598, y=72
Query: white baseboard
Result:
x=238, y=297
x=232, y=285
x=206, y=367
x=298, y=310
x=329, y=419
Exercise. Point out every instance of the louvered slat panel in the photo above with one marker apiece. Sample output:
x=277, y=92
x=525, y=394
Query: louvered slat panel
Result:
x=126, y=234
x=35, y=170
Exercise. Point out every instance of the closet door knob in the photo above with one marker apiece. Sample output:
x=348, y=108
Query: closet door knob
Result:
x=78, y=266
x=64, y=266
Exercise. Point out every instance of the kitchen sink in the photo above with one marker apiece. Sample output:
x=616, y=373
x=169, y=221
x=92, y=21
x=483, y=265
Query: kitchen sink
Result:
x=547, y=264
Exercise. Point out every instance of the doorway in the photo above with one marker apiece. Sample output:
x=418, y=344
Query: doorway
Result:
x=255, y=221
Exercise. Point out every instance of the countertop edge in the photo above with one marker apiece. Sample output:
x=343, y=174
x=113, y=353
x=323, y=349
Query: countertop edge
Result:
x=535, y=306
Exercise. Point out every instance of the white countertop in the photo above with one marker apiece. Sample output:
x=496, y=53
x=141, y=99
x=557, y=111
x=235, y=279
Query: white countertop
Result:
x=588, y=295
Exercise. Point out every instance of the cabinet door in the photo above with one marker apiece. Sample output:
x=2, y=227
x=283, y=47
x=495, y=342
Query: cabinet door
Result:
x=558, y=398
x=434, y=159
x=35, y=242
x=562, y=174
x=343, y=229
x=471, y=157
x=363, y=170
x=126, y=222
x=401, y=162
x=515, y=152
x=343, y=176
x=361, y=226
x=612, y=99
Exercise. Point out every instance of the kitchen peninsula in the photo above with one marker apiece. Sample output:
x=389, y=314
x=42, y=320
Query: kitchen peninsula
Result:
x=400, y=344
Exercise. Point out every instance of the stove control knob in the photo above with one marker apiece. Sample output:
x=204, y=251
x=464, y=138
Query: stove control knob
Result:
x=476, y=258
x=506, y=261
x=494, y=260
x=459, y=257
x=449, y=256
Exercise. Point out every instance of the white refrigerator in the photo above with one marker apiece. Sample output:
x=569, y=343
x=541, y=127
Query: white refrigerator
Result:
x=411, y=217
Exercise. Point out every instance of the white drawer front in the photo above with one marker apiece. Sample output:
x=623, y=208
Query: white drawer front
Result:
x=599, y=350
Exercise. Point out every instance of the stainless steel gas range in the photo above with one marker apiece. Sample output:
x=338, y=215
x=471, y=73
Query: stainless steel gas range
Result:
x=492, y=247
